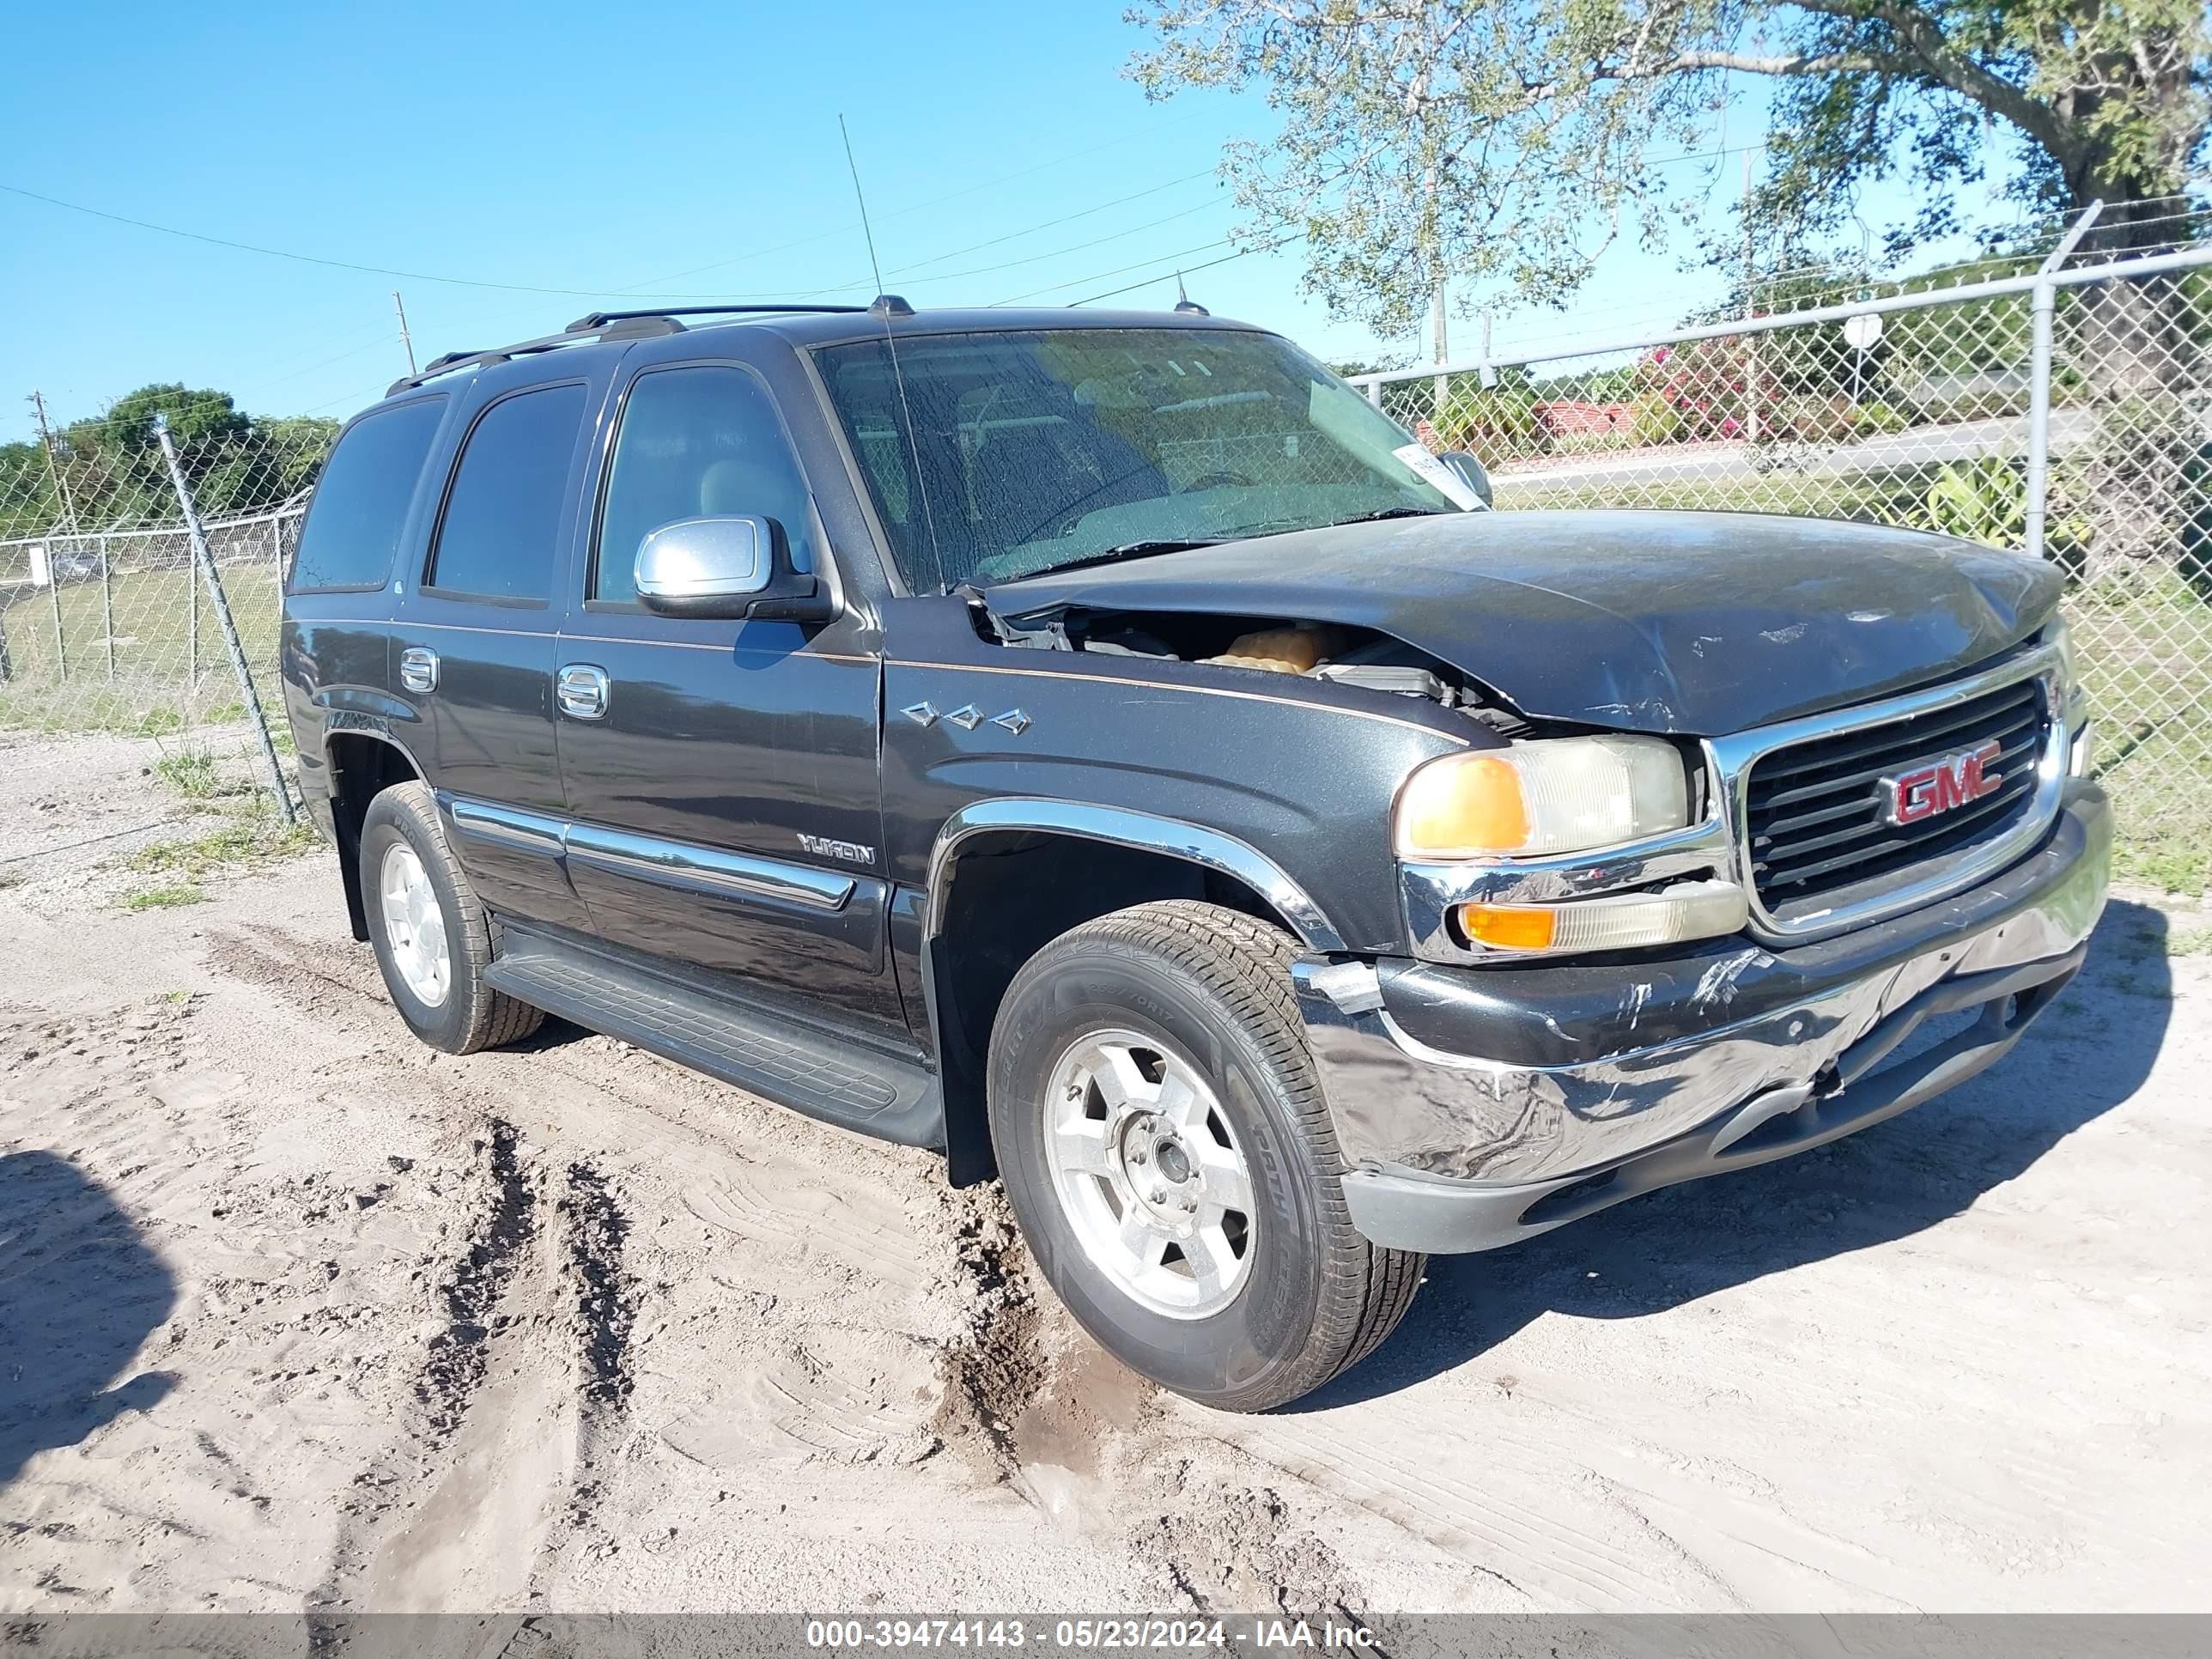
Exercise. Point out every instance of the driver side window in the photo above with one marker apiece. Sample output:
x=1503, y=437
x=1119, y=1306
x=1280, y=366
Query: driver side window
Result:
x=695, y=443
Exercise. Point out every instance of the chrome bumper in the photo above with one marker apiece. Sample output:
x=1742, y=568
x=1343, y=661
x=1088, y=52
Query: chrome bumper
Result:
x=1728, y=1058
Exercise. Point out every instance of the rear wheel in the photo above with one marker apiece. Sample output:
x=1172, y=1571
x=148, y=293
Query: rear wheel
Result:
x=432, y=936
x=1166, y=1149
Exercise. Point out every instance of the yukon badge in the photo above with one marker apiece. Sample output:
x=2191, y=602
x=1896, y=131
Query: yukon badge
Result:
x=822, y=847
x=1941, y=784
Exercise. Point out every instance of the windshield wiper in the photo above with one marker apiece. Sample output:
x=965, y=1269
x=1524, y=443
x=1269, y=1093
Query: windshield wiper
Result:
x=1390, y=512
x=1136, y=549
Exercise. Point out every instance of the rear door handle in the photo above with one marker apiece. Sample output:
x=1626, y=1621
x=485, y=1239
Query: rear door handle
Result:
x=418, y=668
x=580, y=689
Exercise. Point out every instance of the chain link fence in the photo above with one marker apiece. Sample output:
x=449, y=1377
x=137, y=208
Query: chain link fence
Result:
x=2061, y=407
x=112, y=613
x=1935, y=407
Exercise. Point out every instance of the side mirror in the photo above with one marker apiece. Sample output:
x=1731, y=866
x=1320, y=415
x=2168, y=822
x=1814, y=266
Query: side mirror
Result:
x=1470, y=472
x=737, y=566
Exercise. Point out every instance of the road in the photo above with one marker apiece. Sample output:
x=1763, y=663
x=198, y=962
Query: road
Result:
x=1733, y=463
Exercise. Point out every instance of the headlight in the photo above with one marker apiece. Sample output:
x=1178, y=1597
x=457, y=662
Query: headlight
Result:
x=1553, y=795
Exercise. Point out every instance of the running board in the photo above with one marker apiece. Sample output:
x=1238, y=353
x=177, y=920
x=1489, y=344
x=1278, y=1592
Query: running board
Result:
x=810, y=1070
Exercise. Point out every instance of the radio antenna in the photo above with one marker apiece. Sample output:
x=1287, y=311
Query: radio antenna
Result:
x=884, y=307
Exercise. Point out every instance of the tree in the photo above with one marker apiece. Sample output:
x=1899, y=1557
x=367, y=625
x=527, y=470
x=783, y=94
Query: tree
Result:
x=234, y=463
x=1514, y=140
x=1422, y=138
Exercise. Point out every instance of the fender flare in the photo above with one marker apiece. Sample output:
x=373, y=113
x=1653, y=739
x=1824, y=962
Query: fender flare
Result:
x=1190, y=843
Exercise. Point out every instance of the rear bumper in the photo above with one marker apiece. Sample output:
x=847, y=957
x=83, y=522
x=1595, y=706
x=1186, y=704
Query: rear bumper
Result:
x=1484, y=1106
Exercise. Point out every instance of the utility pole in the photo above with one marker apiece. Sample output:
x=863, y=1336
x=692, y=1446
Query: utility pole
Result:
x=1750, y=310
x=405, y=339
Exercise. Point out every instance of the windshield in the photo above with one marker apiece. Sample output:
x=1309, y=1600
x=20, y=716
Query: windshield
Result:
x=1032, y=451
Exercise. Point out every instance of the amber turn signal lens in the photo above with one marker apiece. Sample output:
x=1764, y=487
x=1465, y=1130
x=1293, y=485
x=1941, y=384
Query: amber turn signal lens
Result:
x=1508, y=926
x=1689, y=909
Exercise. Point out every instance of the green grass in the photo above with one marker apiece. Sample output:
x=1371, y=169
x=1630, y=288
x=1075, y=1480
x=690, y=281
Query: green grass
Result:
x=153, y=675
x=257, y=838
x=163, y=898
x=2190, y=942
x=2146, y=656
x=191, y=773
x=2179, y=865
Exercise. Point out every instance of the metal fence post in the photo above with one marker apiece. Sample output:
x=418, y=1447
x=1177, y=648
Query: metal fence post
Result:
x=191, y=632
x=107, y=607
x=2043, y=303
x=54, y=592
x=197, y=535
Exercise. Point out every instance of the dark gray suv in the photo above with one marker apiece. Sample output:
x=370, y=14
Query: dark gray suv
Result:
x=1104, y=748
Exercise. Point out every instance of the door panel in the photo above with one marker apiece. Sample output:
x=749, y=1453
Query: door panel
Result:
x=484, y=613
x=724, y=792
x=694, y=796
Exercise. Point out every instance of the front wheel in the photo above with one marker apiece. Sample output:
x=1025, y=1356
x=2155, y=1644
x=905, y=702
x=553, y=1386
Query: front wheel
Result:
x=1165, y=1147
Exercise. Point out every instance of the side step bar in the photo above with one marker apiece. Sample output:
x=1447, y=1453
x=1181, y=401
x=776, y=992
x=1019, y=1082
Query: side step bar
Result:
x=850, y=1084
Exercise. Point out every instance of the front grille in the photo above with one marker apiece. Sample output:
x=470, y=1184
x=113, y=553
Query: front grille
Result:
x=1816, y=817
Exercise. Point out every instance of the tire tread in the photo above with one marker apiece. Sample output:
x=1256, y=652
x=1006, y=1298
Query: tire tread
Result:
x=1245, y=962
x=493, y=1018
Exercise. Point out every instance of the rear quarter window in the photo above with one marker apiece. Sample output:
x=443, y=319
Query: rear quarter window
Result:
x=498, y=537
x=361, y=501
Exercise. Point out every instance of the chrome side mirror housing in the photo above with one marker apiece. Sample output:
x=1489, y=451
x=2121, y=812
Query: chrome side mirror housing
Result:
x=736, y=565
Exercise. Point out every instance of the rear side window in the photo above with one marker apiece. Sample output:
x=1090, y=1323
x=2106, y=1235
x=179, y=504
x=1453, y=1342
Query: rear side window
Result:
x=497, y=539
x=359, y=504
x=697, y=443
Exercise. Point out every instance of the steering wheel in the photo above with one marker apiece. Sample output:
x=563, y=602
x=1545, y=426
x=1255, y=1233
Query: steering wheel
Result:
x=1209, y=480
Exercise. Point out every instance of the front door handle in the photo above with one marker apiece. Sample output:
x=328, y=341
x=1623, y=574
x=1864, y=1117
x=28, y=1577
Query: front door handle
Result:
x=580, y=689
x=418, y=668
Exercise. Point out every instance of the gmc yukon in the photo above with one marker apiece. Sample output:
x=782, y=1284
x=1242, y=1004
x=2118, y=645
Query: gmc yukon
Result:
x=1106, y=750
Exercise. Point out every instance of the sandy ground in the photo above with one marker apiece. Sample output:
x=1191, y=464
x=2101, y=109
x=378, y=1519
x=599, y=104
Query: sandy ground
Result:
x=296, y=1313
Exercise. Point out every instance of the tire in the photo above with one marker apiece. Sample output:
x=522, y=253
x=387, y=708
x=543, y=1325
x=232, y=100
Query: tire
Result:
x=1176, y=989
x=400, y=833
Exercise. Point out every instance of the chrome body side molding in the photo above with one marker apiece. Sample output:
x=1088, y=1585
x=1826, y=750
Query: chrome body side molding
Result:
x=668, y=863
x=506, y=826
x=678, y=863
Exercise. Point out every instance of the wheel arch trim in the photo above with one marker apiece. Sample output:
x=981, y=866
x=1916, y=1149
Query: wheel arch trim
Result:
x=362, y=727
x=1123, y=827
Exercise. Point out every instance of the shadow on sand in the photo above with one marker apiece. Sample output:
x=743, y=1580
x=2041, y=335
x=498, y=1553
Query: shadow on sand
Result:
x=79, y=1293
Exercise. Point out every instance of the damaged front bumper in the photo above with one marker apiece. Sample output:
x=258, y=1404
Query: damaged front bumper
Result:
x=1481, y=1106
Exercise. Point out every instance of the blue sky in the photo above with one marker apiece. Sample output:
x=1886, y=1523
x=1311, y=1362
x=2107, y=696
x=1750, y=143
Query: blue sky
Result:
x=660, y=148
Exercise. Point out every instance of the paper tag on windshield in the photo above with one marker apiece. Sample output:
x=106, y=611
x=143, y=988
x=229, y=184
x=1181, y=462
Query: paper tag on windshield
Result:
x=1434, y=471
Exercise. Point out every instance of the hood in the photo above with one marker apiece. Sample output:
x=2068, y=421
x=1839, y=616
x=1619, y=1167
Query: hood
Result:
x=1694, y=623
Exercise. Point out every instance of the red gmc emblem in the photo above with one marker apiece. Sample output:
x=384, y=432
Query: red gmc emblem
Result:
x=1941, y=784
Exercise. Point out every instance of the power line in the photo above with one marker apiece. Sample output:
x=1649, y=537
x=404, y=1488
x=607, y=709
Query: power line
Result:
x=1038, y=259
x=1162, y=275
x=1067, y=218
x=1073, y=281
x=303, y=259
x=918, y=207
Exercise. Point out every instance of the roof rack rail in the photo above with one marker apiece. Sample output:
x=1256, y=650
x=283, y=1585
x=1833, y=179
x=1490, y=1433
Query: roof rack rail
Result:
x=597, y=326
x=601, y=318
x=628, y=329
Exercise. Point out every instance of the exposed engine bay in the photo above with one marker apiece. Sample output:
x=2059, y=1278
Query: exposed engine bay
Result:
x=1342, y=655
